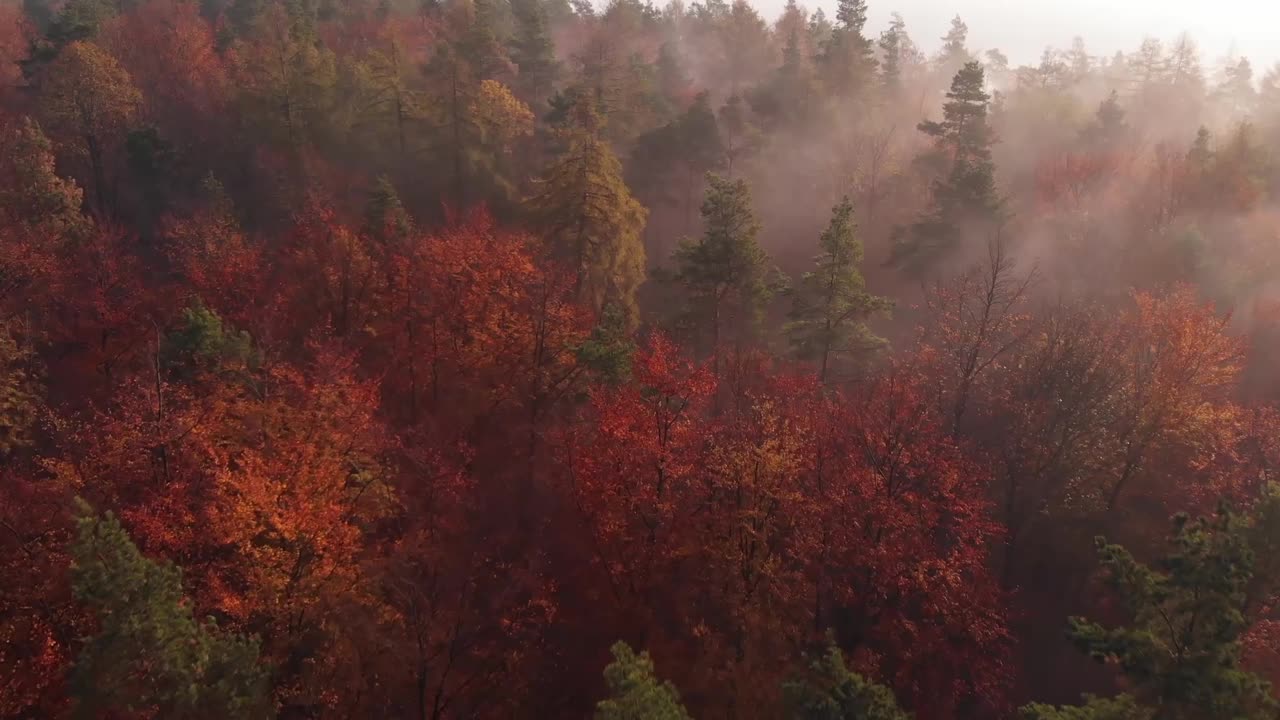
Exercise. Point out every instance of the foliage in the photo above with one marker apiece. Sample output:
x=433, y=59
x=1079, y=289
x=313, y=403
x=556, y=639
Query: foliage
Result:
x=831, y=303
x=150, y=654
x=635, y=693
x=1182, y=650
x=831, y=692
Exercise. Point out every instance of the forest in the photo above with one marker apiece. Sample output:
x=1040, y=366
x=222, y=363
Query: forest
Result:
x=444, y=359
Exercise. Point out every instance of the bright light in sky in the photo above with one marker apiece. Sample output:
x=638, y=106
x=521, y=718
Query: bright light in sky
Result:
x=1023, y=28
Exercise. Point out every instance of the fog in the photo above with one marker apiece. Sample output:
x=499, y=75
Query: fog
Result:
x=1022, y=29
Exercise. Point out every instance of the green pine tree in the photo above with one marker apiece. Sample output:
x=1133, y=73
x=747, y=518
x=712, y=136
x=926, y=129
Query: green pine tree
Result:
x=1180, y=654
x=635, y=693
x=150, y=654
x=831, y=303
x=829, y=691
x=588, y=217
x=955, y=51
x=203, y=343
x=533, y=52
x=964, y=198
x=1123, y=707
x=384, y=215
x=669, y=163
x=726, y=273
x=848, y=61
x=891, y=45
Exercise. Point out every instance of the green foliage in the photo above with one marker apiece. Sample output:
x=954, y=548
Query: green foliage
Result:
x=670, y=161
x=533, y=51
x=1123, y=707
x=829, y=691
x=1108, y=126
x=831, y=303
x=286, y=76
x=726, y=273
x=790, y=96
x=150, y=654
x=588, y=217
x=849, y=61
x=384, y=215
x=202, y=343
x=964, y=196
x=635, y=693
x=77, y=20
x=955, y=52
x=20, y=392
x=37, y=197
x=1181, y=652
x=891, y=49
x=607, y=352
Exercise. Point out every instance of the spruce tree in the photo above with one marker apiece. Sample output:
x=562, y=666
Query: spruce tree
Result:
x=830, y=691
x=1123, y=707
x=150, y=654
x=831, y=303
x=955, y=51
x=725, y=272
x=892, y=42
x=635, y=693
x=964, y=198
x=533, y=52
x=588, y=217
x=1180, y=654
x=849, y=62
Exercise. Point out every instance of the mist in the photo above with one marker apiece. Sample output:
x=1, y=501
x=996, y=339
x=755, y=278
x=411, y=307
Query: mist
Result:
x=505, y=359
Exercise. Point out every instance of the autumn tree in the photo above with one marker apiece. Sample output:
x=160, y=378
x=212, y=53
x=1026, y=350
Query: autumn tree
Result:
x=589, y=218
x=89, y=101
x=150, y=652
x=286, y=76
x=831, y=304
x=475, y=117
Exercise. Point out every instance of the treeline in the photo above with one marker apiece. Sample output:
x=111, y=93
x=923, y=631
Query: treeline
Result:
x=495, y=358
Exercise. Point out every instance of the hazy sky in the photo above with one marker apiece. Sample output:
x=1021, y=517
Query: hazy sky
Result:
x=1023, y=28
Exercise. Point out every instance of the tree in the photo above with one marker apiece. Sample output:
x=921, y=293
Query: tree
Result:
x=88, y=101
x=588, y=217
x=635, y=692
x=725, y=273
x=34, y=197
x=1181, y=651
x=1123, y=707
x=848, y=60
x=1108, y=128
x=964, y=196
x=898, y=54
x=473, y=114
x=533, y=52
x=955, y=53
x=150, y=654
x=286, y=76
x=831, y=303
x=829, y=691
x=670, y=162
x=75, y=21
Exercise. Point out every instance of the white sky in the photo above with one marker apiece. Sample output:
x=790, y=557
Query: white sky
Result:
x=1023, y=28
